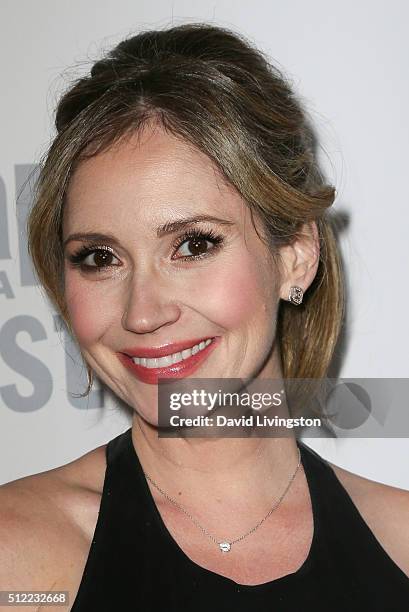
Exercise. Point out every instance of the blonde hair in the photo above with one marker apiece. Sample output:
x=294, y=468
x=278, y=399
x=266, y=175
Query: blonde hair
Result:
x=215, y=90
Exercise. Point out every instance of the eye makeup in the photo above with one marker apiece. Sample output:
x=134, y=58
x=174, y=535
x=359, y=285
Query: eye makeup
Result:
x=77, y=258
x=194, y=237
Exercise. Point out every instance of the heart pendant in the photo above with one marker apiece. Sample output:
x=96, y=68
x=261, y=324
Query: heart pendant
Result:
x=224, y=546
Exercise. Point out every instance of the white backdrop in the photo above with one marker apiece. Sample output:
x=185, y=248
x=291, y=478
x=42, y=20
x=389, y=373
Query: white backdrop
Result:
x=349, y=62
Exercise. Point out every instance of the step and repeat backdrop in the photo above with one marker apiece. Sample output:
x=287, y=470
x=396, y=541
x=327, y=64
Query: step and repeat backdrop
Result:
x=351, y=74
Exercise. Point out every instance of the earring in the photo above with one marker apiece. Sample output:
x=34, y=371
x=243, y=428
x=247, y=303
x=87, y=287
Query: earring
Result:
x=296, y=295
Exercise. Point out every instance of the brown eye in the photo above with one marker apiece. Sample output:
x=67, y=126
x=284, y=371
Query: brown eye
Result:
x=94, y=259
x=101, y=258
x=195, y=246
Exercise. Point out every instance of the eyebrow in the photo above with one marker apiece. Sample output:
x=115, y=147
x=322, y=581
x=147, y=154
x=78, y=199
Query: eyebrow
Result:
x=171, y=227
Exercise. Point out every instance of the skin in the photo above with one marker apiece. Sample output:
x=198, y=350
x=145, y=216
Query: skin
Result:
x=150, y=298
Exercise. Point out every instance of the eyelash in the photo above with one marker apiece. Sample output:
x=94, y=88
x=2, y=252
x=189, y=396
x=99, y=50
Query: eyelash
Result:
x=77, y=258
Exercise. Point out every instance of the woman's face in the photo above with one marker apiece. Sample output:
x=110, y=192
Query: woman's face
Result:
x=171, y=260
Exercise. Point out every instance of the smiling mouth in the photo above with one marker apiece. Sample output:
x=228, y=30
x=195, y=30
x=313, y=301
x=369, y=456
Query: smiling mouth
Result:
x=168, y=360
x=171, y=366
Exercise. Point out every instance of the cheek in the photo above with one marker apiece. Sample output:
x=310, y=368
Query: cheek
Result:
x=87, y=314
x=238, y=293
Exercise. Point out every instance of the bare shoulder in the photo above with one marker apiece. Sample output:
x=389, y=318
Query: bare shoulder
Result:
x=46, y=525
x=385, y=510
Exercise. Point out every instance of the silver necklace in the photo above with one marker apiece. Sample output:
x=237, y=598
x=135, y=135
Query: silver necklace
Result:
x=225, y=546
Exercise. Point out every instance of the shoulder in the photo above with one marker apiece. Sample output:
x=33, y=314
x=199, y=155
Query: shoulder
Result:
x=385, y=509
x=47, y=521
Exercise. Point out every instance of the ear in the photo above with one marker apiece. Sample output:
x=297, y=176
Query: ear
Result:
x=299, y=260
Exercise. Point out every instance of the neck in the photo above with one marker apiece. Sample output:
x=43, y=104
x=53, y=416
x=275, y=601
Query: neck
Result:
x=194, y=470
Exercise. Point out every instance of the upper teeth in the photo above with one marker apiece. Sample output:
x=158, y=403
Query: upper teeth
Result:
x=168, y=360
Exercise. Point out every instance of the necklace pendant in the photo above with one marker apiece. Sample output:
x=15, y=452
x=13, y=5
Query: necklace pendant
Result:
x=224, y=546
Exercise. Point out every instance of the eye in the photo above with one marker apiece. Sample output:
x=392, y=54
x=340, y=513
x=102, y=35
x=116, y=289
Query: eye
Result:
x=93, y=259
x=196, y=244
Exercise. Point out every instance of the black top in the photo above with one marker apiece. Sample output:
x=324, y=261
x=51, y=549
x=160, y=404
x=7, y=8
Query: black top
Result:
x=134, y=564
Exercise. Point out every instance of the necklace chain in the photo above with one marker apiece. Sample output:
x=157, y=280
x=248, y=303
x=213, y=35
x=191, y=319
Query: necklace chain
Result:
x=225, y=545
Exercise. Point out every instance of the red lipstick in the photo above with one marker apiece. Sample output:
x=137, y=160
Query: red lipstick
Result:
x=180, y=369
x=165, y=349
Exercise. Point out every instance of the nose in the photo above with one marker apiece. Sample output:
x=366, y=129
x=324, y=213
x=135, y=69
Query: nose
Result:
x=150, y=306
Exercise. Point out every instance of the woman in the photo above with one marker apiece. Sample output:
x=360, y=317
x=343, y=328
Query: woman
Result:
x=181, y=217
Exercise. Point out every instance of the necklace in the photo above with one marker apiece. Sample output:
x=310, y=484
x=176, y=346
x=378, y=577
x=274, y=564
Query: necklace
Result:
x=225, y=546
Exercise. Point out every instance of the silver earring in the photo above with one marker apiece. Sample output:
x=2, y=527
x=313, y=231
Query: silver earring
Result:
x=296, y=295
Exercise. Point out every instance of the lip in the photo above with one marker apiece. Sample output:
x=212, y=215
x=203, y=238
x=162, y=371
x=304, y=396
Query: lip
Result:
x=181, y=369
x=165, y=349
